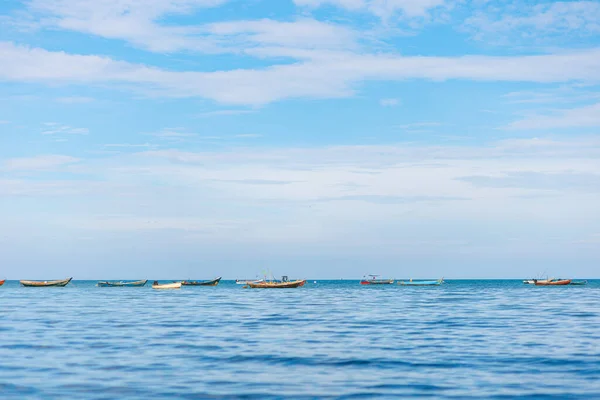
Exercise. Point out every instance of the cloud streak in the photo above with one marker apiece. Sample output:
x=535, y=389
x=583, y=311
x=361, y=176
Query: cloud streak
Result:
x=331, y=77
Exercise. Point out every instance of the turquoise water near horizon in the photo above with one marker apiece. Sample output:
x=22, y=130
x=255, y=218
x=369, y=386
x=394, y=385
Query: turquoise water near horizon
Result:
x=332, y=339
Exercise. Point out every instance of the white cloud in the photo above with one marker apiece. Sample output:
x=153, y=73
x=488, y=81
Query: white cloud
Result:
x=45, y=162
x=389, y=102
x=139, y=23
x=131, y=20
x=582, y=117
x=384, y=8
x=334, y=76
x=355, y=198
x=548, y=21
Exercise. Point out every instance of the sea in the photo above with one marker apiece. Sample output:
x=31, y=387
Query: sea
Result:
x=466, y=339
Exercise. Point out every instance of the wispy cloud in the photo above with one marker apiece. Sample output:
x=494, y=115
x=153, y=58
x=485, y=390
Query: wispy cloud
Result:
x=129, y=145
x=581, y=117
x=45, y=162
x=225, y=112
x=75, y=100
x=535, y=24
x=426, y=126
x=54, y=128
x=389, y=102
x=173, y=135
x=328, y=78
x=385, y=9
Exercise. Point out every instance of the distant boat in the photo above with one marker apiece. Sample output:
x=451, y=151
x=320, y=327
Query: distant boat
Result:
x=247, y=281
x=277, y=285
x=174, y=285
x=122, y=284
x=579, y=283
x=214, y=282
x=533, y=281
x=372, y=280
x=61, y=283
x=2, y=282
x=422, y=283
x=557, y=282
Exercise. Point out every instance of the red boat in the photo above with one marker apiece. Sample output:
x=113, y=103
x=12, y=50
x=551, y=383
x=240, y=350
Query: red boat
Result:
x=558, y=282
x=374, y=281
x=2, y=282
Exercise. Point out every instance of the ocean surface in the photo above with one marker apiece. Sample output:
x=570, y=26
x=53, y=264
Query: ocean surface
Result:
x=330, y=339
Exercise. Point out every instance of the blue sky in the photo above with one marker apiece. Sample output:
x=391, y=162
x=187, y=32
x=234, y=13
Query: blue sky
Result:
x=314, y=138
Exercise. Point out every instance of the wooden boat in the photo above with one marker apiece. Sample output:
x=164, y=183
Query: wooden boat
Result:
x=579, y=283
x=374, y=281
x=277, y=285
x=122, y=284
x=174, y=285
x=61, y=283
x=2, y=282
x=422, y=283
x=556, y=282
x=214, y=282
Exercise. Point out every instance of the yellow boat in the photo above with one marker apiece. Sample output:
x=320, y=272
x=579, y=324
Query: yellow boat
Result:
x=174, y=285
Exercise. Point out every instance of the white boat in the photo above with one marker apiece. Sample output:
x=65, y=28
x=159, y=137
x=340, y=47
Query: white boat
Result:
x=247, y=281
x=174, y=285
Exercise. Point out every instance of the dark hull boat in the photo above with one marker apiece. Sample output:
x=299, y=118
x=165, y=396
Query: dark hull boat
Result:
x=374, y=281
x=61, y=283
x=214, y=282
x=122, y=284
x=277, y=285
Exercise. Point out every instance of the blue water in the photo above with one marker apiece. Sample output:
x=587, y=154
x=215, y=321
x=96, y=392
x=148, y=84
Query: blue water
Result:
x=333, y=339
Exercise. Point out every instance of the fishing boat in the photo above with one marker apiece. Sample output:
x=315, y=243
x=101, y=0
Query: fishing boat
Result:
x=285, y=283
x=2, y=282
x=59, y=283
x=174, y=285
x=122, y=284
x=579, y=283
x=372, y=280
x=214, y=282
x=556, y=282
x=422, y=283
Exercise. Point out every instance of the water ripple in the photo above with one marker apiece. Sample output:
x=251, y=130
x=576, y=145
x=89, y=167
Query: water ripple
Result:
x=466, y=339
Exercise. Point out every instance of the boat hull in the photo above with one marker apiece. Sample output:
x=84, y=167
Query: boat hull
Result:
x=59, y=283
x=377, y=282
x=122, y=284
x=579, y=283
x=2, y=282
x=214, y=282
x=277, y=285
x=165, y=286
x=562, y=282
